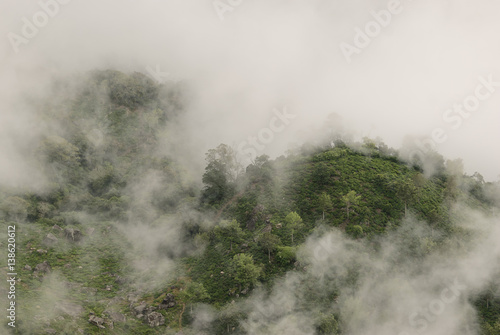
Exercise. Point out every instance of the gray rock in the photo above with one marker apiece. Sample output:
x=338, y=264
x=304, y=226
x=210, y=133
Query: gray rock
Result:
x=49, y=240
x=117, y=317
x=142, y=310
x=69, y=308
x=96, y=321
x=56, y=227
x=73, y=235
x=139, y=310
x=120, y=280
x=155, y=319
x=132, y=298
x=43, y=267
x=168, y=302
x=27, y=267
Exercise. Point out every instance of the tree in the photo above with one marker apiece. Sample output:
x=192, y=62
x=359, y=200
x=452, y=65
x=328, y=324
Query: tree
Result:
x=478, y=178
x=455, y=167
x=350, y=200
x=491, y=293
x=14, y=208
x=57, y=150
x=405, y=189
x=244, y=269
x=260, y=170
x=62, y=159
x=128, y=90
x=369, y=144
x=355, y=231
x=286, y=255
x=327, y=324
x=220, y=174
x=269, y=242
x=293, y=222
x=229, y=231
x=491, y=329
x=325, y=203
x=194, y=292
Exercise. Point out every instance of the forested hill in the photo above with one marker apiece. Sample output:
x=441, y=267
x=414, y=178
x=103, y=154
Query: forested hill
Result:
x=120, y=239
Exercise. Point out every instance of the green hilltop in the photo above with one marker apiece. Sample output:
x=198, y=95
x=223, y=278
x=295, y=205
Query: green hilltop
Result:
x=237, y=230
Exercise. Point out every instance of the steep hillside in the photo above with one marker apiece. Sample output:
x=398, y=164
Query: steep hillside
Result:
x=119, y=240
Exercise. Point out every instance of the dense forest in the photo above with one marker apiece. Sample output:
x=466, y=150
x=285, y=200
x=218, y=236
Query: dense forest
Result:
x=333, y=237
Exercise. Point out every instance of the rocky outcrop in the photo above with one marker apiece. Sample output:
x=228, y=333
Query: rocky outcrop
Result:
x=73, y=235
x=96, y=321
x=155, y=319
x=69, y=308
x=56, y=228
x=50, y=240
x=142, y=310
x=149, y=314
x=116, y=317
x=43, y=267
x=168, y=302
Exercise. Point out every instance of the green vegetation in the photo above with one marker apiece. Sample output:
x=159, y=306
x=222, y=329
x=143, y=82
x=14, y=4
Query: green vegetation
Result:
x=243, y=231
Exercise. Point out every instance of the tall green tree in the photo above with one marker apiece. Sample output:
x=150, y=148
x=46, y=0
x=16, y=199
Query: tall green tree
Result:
x=491, y=329
x=325, y=203
x=229, y=231
x=293, y=222
x=350, y=200
x=260, y=170
x=220, y=175
x=269, y=242
x=193, y=293
x=244, y=269
x=405, y=189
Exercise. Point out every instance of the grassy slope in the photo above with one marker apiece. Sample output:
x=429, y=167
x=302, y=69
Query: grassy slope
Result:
x=95, y=179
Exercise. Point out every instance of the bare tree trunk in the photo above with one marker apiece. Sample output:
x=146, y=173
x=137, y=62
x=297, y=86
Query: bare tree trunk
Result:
x=180, y=316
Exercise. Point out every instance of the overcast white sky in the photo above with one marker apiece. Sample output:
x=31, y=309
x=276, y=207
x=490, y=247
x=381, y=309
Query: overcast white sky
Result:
x=269, y=54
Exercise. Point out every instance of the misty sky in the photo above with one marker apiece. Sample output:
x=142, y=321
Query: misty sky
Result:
x=266, y=55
